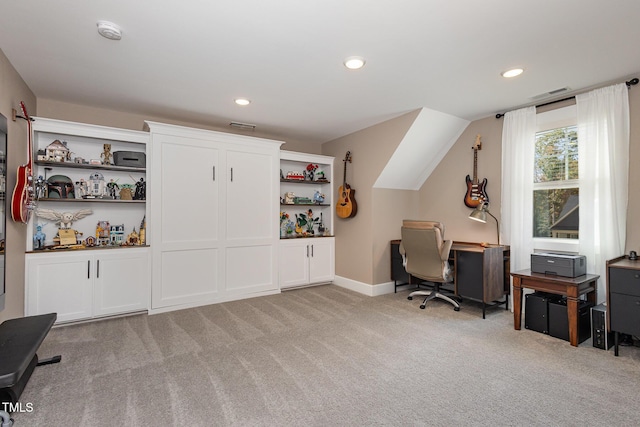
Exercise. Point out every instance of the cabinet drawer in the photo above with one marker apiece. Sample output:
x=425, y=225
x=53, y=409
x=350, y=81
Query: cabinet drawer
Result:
x=624, y=281
x=625, y=313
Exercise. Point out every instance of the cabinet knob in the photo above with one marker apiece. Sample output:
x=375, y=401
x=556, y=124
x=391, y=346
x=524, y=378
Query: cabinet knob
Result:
x=637, y=276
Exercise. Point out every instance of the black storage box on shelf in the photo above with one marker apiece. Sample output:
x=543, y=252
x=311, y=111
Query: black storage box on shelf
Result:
x=131, y=159
x=559, y=264
x=559, y=322
x=600, y=337
x=536, y=315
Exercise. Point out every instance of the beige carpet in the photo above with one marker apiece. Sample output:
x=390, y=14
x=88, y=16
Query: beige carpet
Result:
x=325, y=356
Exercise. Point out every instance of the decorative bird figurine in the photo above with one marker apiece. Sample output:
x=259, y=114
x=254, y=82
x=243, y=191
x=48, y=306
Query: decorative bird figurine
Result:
x=65, y=219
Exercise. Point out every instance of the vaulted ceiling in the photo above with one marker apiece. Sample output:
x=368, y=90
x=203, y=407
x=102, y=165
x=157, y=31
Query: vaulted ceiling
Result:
x=190, y=59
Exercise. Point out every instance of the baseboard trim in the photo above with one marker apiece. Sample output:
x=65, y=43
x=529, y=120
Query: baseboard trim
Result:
x=227, y=298
x=364, y=288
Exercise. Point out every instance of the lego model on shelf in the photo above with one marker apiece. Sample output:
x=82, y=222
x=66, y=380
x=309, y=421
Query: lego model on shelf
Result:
x=97, y=170
x=306, y=195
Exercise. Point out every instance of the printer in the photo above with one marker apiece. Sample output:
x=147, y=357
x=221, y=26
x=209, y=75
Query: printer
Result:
x=565, y=265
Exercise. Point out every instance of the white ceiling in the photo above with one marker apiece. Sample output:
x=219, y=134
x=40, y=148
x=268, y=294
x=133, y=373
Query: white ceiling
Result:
x=189, y=59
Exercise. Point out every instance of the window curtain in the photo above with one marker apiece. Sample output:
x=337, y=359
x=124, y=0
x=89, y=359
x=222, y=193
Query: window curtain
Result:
x=518, y=149
x=603, y=150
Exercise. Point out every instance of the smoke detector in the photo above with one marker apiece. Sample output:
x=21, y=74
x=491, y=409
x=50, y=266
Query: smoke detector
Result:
x=109, y=30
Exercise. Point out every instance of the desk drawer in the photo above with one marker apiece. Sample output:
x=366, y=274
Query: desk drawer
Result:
x=624, y=281
x=625, y=313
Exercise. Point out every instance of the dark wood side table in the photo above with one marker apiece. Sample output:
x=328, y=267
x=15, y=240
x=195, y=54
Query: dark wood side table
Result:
x=571, y=287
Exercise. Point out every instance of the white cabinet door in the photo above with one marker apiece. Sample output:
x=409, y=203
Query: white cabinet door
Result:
x=122, y=281
x=189, y=176
x=294, y=263
x=306, y=261
x=251, y=210
x=250, y=200
x=60, y=283
x=186, y=255
x=321, y=260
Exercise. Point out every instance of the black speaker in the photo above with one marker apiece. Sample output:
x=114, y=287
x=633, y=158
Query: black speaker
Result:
x=559, y=323
x=600, y=337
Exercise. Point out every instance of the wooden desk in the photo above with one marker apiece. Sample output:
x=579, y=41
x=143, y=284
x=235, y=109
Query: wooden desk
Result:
x=571, y=287
x=481, y=272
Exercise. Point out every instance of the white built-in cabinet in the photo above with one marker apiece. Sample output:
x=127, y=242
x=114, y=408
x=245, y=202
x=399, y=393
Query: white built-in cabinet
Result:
x=309, y=259
x=87, y=283
x=214, y=200
x=306, y=261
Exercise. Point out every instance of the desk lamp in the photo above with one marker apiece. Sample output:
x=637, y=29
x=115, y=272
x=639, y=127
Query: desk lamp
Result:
x=480, y=214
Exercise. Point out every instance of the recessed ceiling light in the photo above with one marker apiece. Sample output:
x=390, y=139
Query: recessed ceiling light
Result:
x=109, y=30
x=242, y=101
x=354, y=62
x=513, y=72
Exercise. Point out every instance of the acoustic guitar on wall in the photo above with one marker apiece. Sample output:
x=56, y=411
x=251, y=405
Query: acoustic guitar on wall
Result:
x=346, y=206
x=22, y=200
x=476, y=193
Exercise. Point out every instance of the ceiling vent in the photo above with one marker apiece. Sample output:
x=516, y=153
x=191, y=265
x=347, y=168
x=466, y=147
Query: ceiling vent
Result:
x=551, y=93
x=243, y=126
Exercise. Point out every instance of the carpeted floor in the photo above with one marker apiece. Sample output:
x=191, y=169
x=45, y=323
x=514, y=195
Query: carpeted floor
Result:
x=326, y=356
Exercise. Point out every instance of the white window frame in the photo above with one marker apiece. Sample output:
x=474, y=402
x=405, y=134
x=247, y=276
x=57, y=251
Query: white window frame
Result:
x=560, y=117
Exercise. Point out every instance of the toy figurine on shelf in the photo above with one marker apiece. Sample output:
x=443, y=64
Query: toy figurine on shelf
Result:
x=97, y=186
x=39, y=237
x=318, y=198
x=64, y=219
x=41, y=187
x=106, y=154
x=141, y=190
x=81, y=189
x=126, y=192
x=112, y=189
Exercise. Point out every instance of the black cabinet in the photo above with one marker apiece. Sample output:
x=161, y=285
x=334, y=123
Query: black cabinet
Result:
x=623, y=297
x=398, y=274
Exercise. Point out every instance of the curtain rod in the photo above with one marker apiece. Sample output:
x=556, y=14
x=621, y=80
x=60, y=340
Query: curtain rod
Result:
x=630, y=83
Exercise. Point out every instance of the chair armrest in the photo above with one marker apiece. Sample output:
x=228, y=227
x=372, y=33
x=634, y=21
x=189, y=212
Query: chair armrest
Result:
x=403, y=253
x=445, y=249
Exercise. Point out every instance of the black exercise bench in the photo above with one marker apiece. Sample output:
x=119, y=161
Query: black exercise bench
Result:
x=19, y=342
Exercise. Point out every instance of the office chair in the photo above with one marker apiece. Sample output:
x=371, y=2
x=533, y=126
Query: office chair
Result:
x=426, y=256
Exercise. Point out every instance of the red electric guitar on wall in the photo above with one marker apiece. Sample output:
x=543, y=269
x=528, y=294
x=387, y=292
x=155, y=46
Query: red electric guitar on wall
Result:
x=22, y=201
x=476, y=190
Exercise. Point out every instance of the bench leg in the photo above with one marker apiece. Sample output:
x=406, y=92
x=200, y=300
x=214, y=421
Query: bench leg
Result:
x=50, y=361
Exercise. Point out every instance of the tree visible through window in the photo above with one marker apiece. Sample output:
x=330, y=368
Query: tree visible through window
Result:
x=556, y=196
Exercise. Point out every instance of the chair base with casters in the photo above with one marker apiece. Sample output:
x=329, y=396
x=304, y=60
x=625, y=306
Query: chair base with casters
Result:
x=435, y=293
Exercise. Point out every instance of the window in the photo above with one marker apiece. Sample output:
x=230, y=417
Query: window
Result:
x=556, y=207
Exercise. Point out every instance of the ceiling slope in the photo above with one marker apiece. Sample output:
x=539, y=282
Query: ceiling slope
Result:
x=429, y=138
